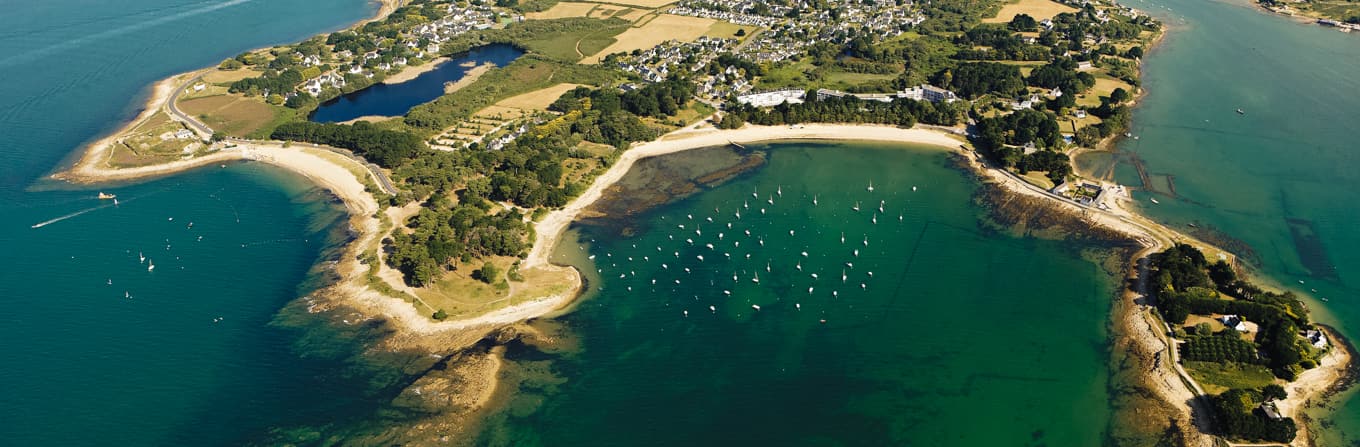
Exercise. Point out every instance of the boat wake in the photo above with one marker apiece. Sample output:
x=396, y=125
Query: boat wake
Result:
x=68, y=216
x=77, y=213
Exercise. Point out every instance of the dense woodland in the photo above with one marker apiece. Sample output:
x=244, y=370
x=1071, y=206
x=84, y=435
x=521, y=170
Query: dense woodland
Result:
x=1001, y=138
x=1238, y=413
x=899, y=112
x=387, y=148
x=460, y=223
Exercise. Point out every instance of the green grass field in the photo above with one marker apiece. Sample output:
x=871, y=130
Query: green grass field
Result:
x=237, y=115
x=845, y=79
x=1220, y=377
x=562, y=43
x=594, y=43
x=728, y=30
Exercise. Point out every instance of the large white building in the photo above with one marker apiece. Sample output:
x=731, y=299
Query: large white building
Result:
x=774, y=98
x=927, y=92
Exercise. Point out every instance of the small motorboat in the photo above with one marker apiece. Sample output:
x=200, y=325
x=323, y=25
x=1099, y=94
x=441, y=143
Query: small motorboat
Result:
x=106, y=196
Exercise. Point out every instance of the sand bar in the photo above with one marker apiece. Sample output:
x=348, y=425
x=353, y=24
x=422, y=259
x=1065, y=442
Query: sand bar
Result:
x=414, y=71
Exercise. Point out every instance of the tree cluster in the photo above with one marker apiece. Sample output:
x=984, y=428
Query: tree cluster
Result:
x=1239, y=416
x=1226, y=346
x=444, y=235
x=973, y=79
x=997, y=138
x=661, y=99
x=387, y=148
x=849, y=109
x=272, y=81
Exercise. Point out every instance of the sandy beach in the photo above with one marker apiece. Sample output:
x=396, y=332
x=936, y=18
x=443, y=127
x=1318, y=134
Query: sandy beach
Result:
x=550, y=228
x=468, y=78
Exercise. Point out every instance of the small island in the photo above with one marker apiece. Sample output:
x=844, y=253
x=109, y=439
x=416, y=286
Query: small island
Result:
x=457, y=204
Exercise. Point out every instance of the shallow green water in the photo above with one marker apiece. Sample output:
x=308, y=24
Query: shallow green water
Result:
x=1285, y=168
x=954, y=331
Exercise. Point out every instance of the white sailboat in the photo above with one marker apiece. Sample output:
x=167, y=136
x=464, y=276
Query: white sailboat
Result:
x=871, y=186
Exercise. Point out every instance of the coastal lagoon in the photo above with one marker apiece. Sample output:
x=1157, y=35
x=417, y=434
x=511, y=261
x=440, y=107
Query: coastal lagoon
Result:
x=396, y=99
x=919, y=325
x=1281, y=178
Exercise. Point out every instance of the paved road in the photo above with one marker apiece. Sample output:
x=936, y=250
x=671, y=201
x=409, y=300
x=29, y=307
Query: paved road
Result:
x=206, y=132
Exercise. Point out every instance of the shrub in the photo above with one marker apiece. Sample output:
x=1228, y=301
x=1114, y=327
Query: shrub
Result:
x=487, y=273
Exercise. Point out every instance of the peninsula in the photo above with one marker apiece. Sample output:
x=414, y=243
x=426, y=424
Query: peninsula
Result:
x=457, y=205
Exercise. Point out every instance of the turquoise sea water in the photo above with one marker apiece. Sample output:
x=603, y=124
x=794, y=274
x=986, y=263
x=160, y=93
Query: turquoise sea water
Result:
x=397, y=99
x=1282, y=177
x=200, y=354
x=970, y=340
x=918, y=329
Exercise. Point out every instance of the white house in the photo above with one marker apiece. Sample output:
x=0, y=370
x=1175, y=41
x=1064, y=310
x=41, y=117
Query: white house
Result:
x=1234, y=321
x=1316, y=338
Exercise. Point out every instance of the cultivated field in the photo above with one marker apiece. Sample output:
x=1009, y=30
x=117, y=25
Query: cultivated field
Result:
x=632, y=15
x=643, y=3
x=219, y=76
x=538, y=99
x=662, y=28
x=1038, y=9
x=563, y=10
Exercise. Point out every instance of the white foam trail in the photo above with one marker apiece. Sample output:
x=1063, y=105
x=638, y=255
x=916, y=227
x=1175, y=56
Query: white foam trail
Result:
x=22, y=57
x=68, y=216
